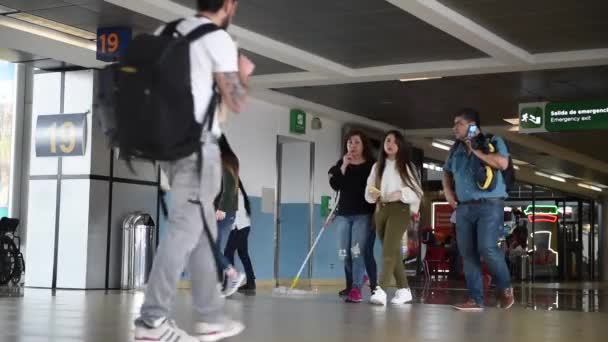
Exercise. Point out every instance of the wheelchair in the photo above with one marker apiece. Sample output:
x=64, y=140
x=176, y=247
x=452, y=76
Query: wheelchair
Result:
x=12, y=265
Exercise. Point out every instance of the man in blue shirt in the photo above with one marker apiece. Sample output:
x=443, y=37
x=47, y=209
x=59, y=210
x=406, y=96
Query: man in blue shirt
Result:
x=479, y=213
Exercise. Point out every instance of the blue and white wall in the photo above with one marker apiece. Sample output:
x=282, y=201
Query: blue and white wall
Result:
x=253, y=135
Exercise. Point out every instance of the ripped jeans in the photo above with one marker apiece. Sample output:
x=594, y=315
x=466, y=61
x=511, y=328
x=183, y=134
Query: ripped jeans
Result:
x=353, y=232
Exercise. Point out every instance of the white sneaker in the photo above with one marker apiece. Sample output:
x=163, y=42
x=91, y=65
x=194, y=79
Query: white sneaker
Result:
x=207, y=332
x=167, y=332
x=379, y=297
x=402, y=296
x=233, y=283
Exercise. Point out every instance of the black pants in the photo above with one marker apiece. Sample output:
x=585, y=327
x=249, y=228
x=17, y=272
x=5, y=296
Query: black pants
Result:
x=237, y=241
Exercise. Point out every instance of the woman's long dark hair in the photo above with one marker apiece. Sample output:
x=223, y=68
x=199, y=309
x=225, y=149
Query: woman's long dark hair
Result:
x=229, y=159
x=403, y=161
x=367, y=147
x=231, y=162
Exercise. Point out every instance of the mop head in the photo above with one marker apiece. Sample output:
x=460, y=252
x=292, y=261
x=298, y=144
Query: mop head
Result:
x=284, y=291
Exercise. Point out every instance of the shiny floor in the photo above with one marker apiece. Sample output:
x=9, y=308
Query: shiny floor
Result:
x=97, y=316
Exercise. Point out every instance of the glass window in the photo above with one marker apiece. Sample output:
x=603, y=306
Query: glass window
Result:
x=7, y=115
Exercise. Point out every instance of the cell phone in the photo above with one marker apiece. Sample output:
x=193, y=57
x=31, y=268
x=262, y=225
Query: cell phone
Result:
x=472, y=130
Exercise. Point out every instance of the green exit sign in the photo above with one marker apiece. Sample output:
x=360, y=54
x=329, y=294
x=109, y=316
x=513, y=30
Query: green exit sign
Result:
x=563, y=116
x=297, y=121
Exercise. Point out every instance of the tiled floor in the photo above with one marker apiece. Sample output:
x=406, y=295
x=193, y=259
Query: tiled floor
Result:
x=97, y=316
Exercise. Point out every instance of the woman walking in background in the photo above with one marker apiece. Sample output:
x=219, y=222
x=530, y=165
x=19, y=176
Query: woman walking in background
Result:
x=353, y=214
x=227, y=205
x=394, y=186
x=238, y=242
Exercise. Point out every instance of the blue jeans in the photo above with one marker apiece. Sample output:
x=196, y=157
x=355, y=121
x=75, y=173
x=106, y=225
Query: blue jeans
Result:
x=370, y=263
x=353, y=232
x=223, y=230
x=478, y=226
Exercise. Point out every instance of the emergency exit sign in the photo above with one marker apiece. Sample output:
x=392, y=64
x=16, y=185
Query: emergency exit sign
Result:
x=297, y=121
x=563, y=116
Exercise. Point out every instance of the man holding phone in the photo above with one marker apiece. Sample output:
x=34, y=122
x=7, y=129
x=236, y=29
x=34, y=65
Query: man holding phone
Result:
x=479, y=213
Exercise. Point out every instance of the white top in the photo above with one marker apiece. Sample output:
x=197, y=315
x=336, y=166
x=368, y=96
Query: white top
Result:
x=242, y=220
x=215, y=52
x=391, y=182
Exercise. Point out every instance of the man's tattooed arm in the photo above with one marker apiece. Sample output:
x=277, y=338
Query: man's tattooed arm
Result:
x=232, y=89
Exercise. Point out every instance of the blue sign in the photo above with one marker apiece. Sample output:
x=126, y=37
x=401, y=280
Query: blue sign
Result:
x=112, y=43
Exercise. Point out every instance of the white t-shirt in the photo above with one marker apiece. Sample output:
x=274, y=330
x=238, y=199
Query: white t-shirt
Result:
x=214, y=52
x=242, y=220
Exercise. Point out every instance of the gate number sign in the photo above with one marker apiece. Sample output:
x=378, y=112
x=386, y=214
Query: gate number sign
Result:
x=61, y=135
x=112, y=43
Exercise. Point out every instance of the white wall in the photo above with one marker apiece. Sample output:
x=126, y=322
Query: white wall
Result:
x=253, y=136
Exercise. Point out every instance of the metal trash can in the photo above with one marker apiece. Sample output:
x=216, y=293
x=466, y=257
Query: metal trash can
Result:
x=138, y=249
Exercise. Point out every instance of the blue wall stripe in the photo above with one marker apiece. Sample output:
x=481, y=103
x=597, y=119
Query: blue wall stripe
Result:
x=294, y=243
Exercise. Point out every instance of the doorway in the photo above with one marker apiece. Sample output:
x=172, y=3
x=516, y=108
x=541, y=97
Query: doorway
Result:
x=294, y=208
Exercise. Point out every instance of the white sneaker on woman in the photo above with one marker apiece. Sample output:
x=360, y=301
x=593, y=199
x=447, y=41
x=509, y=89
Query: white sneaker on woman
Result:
x=233, y=282
x=379, y=297
x=402, y=296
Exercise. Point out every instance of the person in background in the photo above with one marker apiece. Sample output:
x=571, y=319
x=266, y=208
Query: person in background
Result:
x=353, y=214
x=227, y=205
x=238, y=242
x=394, y=186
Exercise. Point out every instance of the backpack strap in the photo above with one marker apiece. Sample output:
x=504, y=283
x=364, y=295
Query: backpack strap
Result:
x=201, y=31
x=171, y=28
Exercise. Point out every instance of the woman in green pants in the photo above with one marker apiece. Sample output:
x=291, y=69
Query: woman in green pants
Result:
x=394, y=186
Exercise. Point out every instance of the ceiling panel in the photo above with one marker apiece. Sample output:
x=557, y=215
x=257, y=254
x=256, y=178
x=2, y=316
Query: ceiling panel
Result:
x=267, y=66
x=16, y=56
x=554, y=164
x=587, y=142
x=356, y=33
x=430, y=103
x=29, y=5
x=85, y=14
x=541, y=25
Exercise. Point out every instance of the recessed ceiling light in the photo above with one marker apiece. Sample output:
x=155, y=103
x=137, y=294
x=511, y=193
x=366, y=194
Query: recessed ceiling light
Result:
x=514, y=122
x=46, y=32
x=446, y=141
x=553, y=177
x=441, y=146
x=564, y=175
x=418, y=79
x=516, y=167
x=600, y=185
x=590, y=187
x=53, y=25
x=520, y=162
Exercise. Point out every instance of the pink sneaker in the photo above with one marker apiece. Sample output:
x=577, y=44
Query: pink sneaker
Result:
x=354, y=296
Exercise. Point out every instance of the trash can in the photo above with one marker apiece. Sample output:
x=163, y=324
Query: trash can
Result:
x=138, y=248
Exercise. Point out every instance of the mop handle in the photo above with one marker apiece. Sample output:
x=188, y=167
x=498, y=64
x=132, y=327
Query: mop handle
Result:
x=329, y=217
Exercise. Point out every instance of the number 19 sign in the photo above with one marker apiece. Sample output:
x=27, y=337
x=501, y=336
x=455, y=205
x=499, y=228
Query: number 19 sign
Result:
x=61, y=135
x=112, y=43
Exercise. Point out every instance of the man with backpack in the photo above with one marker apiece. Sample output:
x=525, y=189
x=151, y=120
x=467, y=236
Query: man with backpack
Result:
x=479, y=209
x=195, y=175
